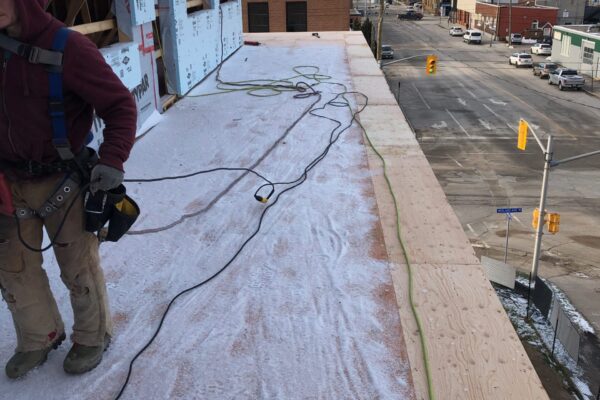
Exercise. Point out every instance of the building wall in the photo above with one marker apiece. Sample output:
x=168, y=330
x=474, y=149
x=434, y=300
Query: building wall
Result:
x=322, y=15
x=465, y=12
x=575, y=9
x=522, y=18
x=195, y=42
x=573, y=57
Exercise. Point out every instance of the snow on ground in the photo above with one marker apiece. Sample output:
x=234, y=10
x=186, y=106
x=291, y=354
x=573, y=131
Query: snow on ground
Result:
x=307, y=311
x=540, y=333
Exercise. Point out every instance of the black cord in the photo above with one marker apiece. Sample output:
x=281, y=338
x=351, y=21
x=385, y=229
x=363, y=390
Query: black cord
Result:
x=207, y=171
x=60, y=226
x=333, y=138
x=339, y=100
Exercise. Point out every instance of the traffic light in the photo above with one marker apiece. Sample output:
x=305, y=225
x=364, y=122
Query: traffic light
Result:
x=523, y=127
x=536, y=218
x=553, y=222
x=431, y=65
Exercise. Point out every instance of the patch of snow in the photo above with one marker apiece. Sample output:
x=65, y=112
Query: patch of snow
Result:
x=528, y=41
x=539, y=333
x=574, y=316
x=440, y=125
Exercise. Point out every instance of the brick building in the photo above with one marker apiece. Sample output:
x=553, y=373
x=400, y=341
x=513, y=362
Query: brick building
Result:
x=528, y=21
x=296, y=16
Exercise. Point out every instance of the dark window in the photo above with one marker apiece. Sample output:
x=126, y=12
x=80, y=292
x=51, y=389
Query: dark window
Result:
x=296, y=16
x=258, y=17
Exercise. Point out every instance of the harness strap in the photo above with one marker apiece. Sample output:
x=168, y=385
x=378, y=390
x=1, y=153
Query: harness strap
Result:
x=33, y=54
x=57, y=101
x=61, y=194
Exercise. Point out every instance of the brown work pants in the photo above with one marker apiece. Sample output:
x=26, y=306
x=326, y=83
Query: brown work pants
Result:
x=24, y=283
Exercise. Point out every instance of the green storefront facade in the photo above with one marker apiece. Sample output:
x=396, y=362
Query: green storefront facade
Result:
x=577, y=47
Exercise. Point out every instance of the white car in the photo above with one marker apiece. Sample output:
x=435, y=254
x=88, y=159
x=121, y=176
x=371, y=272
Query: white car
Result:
x=520, y=60
x=456, y=31
x=472, y=36
x=542, y=49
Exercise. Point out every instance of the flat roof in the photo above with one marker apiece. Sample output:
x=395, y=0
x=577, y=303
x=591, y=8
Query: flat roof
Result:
x=316, y=305
x=581, y=30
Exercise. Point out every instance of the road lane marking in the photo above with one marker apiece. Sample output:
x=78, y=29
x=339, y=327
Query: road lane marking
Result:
x=461, y=101
x=458, y=123
x=471, y=229
x=467, y=90
x=456, y=161
x=497, y=102
x=421, y=96
x=485, y=124
x=495, y=113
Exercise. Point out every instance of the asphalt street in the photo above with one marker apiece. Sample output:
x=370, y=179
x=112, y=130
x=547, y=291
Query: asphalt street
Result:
x=466, y=118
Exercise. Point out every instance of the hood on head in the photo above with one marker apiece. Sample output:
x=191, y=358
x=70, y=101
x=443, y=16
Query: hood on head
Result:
x=32, y=17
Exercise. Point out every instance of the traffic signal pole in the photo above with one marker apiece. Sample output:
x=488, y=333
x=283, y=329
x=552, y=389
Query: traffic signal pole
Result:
x=540, y=226
x=549, y=163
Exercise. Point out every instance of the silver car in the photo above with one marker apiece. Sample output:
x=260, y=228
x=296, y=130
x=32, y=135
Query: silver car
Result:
x=542, y=49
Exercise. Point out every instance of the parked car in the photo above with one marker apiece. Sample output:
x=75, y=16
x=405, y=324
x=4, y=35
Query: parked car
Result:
x=387, y=51
x=520, y=60
x=413, y=15
x=543, y=69
x=566, y=78
x=515, y=38
x=472, y=36
x=541, y=49
x=456, y=31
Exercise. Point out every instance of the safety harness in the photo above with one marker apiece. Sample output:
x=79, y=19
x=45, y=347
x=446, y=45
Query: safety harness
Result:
x=53, y=61
x=100, y=208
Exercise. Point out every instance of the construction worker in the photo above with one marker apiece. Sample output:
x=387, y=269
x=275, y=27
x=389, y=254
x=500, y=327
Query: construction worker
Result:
x=39, y=166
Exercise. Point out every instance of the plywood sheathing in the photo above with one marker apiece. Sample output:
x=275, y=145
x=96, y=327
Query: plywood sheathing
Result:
x=474, y=352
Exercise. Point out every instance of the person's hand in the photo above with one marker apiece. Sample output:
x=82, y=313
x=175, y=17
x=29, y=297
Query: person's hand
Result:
x=105, y=178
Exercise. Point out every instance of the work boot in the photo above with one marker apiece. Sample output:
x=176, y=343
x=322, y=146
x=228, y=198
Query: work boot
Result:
x=23, y=362
x=82, y=358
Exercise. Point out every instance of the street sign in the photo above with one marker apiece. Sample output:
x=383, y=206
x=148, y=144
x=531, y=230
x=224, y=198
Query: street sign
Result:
x=508, y=210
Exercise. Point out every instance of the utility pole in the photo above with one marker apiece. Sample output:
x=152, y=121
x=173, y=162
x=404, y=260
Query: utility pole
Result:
x=380, y=29
x=509, y=22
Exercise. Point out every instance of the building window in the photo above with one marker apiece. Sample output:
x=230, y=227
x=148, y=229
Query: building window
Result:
x=588, y=52
x=565, y=48
x=535, y=24
x=295, y=16
x=258, y=17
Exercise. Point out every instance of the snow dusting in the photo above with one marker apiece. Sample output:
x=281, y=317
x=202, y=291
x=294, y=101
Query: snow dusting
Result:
x=307, y=311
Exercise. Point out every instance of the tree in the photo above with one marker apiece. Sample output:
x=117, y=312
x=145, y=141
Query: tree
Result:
x=367, y=29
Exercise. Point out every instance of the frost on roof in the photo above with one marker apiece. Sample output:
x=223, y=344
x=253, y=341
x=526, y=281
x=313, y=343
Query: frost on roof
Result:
x=307, y=311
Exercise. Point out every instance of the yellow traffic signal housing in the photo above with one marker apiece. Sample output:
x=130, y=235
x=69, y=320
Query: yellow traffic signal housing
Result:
x=536, y=218
x=523, y=127
x=431, y=65
x=553, y=222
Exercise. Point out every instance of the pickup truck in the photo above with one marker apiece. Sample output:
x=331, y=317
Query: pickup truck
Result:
x=566, y=78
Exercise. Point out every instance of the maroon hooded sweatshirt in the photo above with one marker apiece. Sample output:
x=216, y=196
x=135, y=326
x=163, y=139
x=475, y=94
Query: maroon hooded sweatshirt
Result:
x=88, y=84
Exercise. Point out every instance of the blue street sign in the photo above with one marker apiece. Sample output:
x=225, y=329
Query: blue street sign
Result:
x=508, y=210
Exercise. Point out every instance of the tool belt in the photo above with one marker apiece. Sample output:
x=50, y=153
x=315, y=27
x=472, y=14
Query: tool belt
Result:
x=82, y=163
